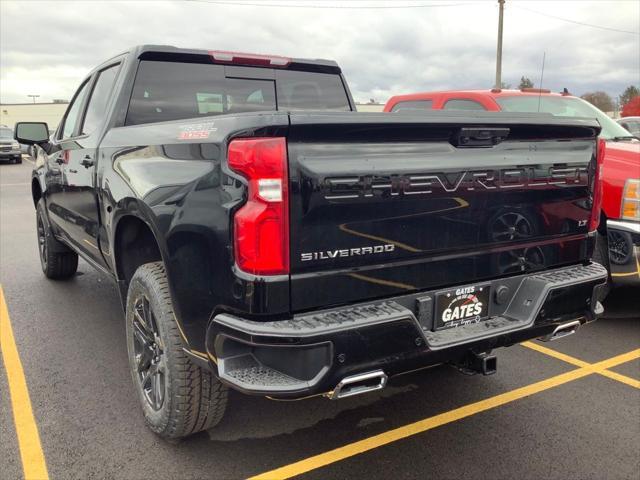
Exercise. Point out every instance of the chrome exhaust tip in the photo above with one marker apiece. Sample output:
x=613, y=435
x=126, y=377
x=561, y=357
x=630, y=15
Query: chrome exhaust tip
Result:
x=562, y=331
x=358, y=384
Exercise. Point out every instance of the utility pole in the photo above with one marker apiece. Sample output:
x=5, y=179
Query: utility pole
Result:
x=33, y=97
x=499, y=50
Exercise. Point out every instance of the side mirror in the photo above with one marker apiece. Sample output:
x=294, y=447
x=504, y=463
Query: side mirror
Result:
x=31, y=133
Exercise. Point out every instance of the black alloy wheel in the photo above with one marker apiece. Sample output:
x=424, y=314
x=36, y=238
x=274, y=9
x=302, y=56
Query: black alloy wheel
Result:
x=178, y=397
x=620, y=247
x=149, y=354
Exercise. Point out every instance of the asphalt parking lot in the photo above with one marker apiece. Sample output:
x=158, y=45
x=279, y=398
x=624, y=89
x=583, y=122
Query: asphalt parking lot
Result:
x=567, y=409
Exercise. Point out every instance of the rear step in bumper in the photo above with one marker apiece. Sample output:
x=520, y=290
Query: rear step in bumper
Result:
x=328, y=352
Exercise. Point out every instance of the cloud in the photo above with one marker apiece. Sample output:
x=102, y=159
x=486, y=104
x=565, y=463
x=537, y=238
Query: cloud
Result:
x=47, y=47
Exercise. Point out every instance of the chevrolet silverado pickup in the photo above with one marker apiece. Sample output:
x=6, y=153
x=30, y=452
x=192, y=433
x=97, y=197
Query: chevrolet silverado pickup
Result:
x=266, y=237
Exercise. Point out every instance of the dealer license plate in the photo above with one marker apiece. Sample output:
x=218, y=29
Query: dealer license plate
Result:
x=462, y=306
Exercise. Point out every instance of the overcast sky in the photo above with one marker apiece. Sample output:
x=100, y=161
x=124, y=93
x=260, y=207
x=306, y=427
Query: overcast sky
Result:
x=46, y=48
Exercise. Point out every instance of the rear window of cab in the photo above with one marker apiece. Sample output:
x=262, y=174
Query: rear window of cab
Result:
x=172, y=91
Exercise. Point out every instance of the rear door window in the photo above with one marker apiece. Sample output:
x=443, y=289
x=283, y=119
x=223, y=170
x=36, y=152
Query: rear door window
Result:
x=413, y=106
x=460, y=104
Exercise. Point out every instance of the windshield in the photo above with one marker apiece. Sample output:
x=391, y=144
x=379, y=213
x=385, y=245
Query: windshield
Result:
x=6, y=134
x=562, y=107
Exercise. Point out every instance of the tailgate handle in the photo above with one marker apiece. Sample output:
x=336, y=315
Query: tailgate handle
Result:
x=478, y=137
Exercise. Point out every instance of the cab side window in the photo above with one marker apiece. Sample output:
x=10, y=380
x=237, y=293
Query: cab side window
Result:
x=459, y=104
x=73, y=114
x=99, y=99
x=412, y=106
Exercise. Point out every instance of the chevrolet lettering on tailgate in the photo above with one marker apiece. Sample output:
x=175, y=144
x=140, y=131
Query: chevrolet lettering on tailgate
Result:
x=510, y=178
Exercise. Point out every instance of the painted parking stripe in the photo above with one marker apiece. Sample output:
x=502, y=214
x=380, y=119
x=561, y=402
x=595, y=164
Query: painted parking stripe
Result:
x=555, y=354
x=361, y=446
x=579, y=363
x=632, y=382
x=33, y=462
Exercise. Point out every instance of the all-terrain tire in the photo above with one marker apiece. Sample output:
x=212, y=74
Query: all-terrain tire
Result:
x=58, y=261
x=193, y=398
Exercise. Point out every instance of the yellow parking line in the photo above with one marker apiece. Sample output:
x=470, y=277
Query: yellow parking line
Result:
x=553, y=353
x=615, y=361
x=632, y=382
x=33, y=462
x=579, y=363
x=421, y=426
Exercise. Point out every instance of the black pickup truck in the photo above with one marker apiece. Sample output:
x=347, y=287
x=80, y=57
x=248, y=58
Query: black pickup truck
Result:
x=266, y=237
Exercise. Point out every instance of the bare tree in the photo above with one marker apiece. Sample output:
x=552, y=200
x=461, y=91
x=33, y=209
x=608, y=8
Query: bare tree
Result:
x=600, y=100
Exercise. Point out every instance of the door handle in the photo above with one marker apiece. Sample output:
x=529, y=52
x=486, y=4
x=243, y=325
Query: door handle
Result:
x=71, y=170
x=87, y=162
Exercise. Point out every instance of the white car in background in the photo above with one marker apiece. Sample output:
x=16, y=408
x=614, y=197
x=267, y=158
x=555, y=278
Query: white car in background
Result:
x=632, y=124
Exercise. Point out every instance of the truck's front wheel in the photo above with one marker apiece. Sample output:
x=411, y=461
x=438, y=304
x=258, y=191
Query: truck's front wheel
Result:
x=178, y=397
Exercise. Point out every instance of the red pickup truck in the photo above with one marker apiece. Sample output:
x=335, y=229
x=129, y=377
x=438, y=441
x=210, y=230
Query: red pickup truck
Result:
x=620, y=215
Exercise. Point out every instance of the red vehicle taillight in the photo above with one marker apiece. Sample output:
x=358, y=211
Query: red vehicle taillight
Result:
x=597, y=187
x=261, y=226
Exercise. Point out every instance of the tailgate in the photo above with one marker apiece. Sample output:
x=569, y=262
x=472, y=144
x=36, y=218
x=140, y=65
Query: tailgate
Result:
x=385, y=204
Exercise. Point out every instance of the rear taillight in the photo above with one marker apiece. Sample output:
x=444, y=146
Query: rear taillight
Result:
x=261, y=226
x=596, y=191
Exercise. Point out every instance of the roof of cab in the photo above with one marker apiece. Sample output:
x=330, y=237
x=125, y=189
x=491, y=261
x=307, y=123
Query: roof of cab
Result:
x=295, y=63
x=487, y=92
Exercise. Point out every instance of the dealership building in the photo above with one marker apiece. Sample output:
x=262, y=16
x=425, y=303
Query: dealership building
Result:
x=11, y=113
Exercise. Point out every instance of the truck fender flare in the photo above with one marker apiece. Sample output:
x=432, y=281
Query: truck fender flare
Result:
x=134, y=208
